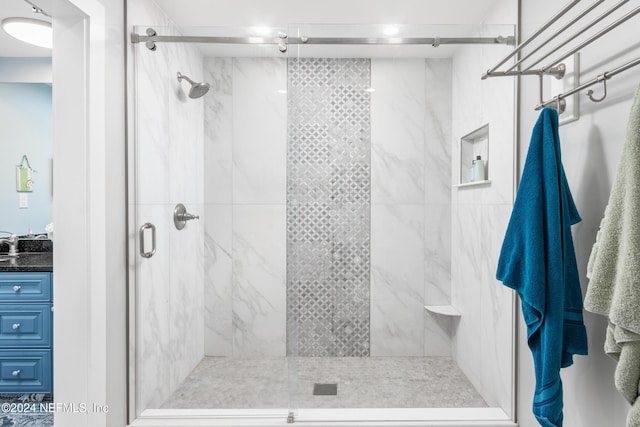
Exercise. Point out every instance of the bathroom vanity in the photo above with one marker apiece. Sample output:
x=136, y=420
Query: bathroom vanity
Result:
x=26, y=321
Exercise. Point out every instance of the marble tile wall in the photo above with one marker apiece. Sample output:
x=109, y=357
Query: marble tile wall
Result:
x=410, y=210
x=397, y=285
x=398, y=131
x=258, y=282
x=218, y=156
x=169, y=170
x=397, y=207
x=328, y=207
x=259, y=130
x=245, y=193
x=482, y=343
x=437, y=207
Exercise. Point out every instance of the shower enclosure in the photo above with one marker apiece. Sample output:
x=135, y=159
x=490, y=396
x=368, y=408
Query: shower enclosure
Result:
x=323, y=240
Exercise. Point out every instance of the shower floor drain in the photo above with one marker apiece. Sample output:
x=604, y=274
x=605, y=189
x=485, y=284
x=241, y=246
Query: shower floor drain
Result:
x=325, y=389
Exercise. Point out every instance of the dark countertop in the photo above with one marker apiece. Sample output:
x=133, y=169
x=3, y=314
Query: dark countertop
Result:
x=27, y=261
x=29, y=245
x=33, y=255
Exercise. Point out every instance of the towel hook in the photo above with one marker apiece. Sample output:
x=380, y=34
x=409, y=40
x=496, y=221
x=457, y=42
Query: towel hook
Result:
x=601, y=78
x=561, y=104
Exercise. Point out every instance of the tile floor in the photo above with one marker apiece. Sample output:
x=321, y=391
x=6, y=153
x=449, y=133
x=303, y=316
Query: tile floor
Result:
x=24, y=410
x=362, y=382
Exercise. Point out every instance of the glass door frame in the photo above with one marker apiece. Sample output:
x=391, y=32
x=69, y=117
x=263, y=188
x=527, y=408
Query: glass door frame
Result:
x=302, y=414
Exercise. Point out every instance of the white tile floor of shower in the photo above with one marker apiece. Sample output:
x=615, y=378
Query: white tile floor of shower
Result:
x=362, y=382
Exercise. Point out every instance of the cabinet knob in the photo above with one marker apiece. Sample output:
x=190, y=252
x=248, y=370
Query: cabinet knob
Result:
x=16, y=288
x=16, y=373
x=15, y=325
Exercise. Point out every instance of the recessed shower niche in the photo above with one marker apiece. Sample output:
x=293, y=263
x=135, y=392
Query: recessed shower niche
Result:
x=474, y=158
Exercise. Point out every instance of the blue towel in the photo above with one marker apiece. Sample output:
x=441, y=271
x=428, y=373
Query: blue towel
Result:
x=538, y=261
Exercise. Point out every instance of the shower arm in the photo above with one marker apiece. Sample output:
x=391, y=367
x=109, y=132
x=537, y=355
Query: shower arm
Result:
x=183, y=77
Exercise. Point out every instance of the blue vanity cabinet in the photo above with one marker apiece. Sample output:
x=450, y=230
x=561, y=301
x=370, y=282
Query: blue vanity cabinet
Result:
x=26, y=332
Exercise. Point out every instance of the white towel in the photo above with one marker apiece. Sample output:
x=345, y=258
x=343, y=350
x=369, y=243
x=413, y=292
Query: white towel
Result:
x=614, y=269
x=624, y=346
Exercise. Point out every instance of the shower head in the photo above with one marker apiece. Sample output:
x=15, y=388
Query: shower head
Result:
x=197, y=89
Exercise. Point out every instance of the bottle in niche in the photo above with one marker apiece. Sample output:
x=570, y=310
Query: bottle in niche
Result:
x=477, y=169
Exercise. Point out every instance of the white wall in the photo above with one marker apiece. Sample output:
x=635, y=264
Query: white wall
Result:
x=283, y=12
x=25, y=70
x=89, y=349
x=591, y=150
x=116, y=218
x=25, y=129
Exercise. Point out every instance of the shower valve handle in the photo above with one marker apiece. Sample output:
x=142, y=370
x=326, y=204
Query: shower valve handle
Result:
x=187, y=216
x=181, y=216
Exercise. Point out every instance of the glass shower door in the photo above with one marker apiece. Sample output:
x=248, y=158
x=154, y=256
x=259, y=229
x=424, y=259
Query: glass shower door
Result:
x=328, y=216
x=370, y=155
x=168, y=172
x=210, y=297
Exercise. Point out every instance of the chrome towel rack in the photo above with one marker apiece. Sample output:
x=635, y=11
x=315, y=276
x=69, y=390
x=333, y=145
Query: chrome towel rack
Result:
x=565, y=49
x=602, y=78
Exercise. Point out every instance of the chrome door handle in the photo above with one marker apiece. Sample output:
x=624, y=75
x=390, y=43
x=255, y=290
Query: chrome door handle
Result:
x=147, y=226
x=16, y=373
x=15, y=326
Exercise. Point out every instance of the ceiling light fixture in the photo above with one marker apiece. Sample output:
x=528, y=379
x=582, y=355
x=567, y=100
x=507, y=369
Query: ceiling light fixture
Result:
x=32, y=31
x=391, y=30
x=261, y=30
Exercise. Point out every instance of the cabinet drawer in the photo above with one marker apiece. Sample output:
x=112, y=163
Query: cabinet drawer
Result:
x=25, y=287
x=25, y=371
x=25, y=325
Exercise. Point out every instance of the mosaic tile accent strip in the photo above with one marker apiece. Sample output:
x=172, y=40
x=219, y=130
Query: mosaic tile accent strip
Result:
x=328, y=207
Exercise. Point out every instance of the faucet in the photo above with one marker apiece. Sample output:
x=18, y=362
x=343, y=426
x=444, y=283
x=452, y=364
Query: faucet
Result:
x=12, y=240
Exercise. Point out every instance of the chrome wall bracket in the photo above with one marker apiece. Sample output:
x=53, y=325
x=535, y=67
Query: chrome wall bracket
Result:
x=151, y=45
